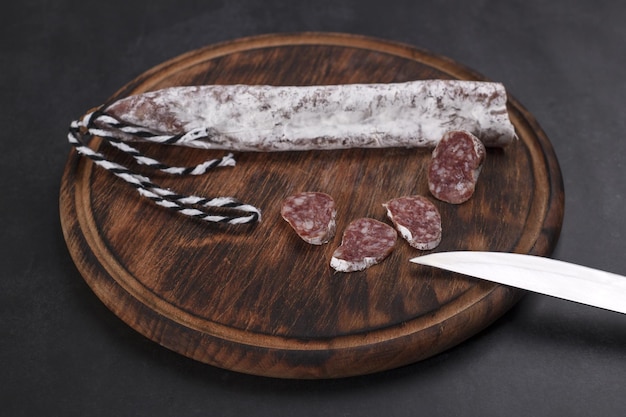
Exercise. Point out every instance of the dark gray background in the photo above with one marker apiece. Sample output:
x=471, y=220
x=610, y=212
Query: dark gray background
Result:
x=63, y=353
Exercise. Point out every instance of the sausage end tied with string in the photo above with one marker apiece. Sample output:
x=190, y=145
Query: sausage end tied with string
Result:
x=266, y=118
x=113, y=131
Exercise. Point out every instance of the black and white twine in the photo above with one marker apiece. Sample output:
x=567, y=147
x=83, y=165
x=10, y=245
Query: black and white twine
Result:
x=98, y=123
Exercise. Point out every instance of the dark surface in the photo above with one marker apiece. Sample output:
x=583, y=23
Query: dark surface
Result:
x=63, y=353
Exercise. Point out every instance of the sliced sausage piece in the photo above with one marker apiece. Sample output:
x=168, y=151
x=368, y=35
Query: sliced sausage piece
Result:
x=417, y=219
x=365, y=242
x=455, y=165
x=311, y=215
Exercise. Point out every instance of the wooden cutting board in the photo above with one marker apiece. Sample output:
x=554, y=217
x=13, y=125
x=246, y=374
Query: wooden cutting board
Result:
x=257, y=299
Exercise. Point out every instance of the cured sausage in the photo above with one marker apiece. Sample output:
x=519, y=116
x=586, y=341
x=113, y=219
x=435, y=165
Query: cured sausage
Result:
x=417, y=219
x=284, y=118
x=455, y=166
x=292, y=118
x=365, y=242
x=311, y=215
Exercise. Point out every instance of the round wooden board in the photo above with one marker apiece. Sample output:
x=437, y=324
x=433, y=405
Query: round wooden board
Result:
x=256, y=299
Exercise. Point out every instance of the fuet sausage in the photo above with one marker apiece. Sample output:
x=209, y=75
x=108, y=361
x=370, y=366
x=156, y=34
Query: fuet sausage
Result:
x=455, y=166
x=311, y=215
x=291, y=118
x=284, y=118
x=417, y=219
x=365, y=242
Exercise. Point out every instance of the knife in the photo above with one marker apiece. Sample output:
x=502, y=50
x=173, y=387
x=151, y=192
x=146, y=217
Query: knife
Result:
x=537, y=274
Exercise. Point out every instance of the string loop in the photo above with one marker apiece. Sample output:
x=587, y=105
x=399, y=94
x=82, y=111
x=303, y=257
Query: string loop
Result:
x=98, y=123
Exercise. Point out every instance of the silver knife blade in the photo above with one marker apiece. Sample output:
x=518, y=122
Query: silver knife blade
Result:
x=538, y=274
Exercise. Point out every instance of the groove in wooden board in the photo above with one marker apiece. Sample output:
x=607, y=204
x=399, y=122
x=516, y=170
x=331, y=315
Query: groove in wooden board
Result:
x=257, y=299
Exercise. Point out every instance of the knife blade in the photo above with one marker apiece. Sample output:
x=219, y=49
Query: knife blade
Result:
x=538, y=274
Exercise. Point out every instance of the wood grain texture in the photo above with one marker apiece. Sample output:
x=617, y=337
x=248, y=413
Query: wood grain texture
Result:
x=257, y=299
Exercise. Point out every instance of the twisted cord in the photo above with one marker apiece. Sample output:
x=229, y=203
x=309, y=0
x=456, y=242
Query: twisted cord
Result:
x=188, y=205
x=114, y=131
